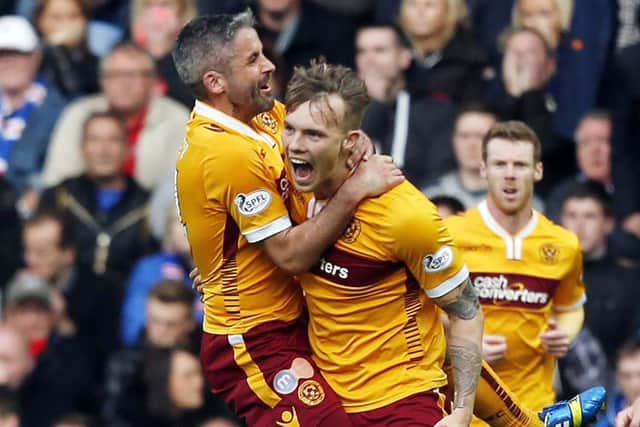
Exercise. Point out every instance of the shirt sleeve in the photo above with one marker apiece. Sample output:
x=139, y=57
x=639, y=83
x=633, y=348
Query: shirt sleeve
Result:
x=250, y=191
x=571, y=294
x=424, y=244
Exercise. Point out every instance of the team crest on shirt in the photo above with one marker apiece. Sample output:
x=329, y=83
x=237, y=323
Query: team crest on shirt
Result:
x=352, y=231
x=253, y=203
x=311, y=393
x=548, y=253
x=267, y=120
x=438, y=261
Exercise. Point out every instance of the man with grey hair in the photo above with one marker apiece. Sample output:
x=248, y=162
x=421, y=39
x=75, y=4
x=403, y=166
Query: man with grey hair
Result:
x=154, y=123
x=233, y=194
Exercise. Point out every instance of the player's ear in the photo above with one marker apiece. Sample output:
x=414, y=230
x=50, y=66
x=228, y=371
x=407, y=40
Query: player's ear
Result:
x=214, y=82
x=350, y=142
x=483, y=169
x=538, y=172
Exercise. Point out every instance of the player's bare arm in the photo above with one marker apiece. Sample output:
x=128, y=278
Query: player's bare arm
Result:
x=464, y=349
x=296, y=249
x=562, y=330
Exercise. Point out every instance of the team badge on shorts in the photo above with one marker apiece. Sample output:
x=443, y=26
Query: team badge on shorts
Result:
x=286, y=380
x=549, y=253
x=311, y=393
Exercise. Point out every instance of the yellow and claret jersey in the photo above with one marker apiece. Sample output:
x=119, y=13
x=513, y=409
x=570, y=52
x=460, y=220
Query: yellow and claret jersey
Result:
x=375, y=332
x=521, y=280
x=232, y=192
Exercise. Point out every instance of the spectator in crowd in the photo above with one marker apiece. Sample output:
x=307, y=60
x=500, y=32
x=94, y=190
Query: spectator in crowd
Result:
x=580, y=33
x=527, y=67
x=295, y=31
x=628, y=381
x=172, y=263
x=447, y=205
x=67, y=63
x=447, y=61
x=58, y=376
x=170, y=323
x=154, y=26
x=74, y=420
x=412, y=127
x=16, y=362
x=613, y=290
x=593, y=157
x=175, y=393
x=9, y=416
x=87, y=304
x=107, y=207
x=154, y=124
x=30, y=105
x=466, y=183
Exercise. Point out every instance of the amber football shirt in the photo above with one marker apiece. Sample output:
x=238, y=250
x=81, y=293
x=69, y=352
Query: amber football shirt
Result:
x=375, y=333
x=520, y=280
x=232, y=192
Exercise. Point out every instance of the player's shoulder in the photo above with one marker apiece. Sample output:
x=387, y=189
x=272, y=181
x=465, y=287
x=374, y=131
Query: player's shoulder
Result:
x=400, y=207
x=468, y=219
x=549, y=230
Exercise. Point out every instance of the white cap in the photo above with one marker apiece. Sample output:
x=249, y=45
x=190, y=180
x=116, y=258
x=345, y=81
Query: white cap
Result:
x=16, y=33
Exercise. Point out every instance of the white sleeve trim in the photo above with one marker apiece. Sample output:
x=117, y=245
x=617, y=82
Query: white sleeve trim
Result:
x=450, y=284
x=571, y=307
x=274, y=227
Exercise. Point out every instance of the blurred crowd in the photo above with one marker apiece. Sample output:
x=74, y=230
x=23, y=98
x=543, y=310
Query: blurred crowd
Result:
x=99, y=322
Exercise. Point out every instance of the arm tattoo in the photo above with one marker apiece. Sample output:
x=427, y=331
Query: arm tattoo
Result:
x=466, y=305
x=466, y=358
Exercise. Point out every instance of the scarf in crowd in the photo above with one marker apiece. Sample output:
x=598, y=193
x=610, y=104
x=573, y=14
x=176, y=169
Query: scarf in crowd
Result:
x=14, y=122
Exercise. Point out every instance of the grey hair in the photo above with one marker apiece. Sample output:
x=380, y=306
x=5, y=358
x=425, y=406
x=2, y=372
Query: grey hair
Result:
x=203, y=45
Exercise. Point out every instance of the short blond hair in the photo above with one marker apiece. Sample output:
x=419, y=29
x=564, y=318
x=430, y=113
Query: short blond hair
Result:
x=565, y=8
x=457, y=14
x=512, y=131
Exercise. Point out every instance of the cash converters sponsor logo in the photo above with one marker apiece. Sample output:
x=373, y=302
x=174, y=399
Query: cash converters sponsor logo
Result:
x=253, y=203
x=438, y=261
x=334, y=269
x=499, y=290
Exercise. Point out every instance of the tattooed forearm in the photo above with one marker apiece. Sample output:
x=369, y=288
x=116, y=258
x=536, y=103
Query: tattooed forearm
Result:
x=466, y=305
x=466, y=358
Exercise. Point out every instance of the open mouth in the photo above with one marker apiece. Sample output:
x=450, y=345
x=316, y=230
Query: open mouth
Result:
x=265, y=87
x=302, y=171
x=510, y=192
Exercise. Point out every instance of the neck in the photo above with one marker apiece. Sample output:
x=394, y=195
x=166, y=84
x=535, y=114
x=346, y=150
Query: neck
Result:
x=225, y=106
x=429, y=44
x=130, y=115
x=278, y=21
x=597, y=253
x=514, y=222
x=471, y=180
x=395, y=87
x=61, y=280
x=115, y=182
x=15, y=98
x=332, y=186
